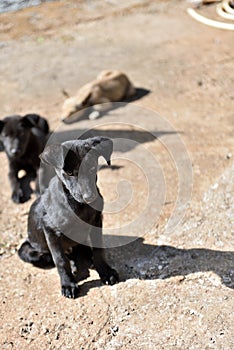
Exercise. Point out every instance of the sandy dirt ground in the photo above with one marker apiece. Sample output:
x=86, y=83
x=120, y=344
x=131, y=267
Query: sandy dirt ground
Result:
x=174, y=164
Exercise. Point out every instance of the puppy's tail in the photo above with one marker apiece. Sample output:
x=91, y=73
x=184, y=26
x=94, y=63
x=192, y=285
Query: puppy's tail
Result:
x=30, y=255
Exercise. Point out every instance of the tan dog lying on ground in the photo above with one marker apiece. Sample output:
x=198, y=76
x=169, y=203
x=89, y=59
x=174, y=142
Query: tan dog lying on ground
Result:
x=109, y=86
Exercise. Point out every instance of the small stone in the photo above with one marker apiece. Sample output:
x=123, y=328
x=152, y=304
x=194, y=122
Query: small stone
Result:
x=114, y=330
x=215, y=186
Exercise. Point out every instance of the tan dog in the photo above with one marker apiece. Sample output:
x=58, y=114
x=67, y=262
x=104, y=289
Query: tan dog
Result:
x=109, y=86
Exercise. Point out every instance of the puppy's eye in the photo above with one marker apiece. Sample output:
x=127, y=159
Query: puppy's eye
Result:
x=69, y=173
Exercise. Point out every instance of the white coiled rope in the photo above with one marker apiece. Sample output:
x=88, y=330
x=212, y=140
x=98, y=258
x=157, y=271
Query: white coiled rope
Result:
x=224, y=10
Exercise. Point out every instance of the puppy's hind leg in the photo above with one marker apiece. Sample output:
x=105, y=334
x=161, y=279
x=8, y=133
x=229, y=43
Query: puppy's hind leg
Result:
x=30, y=255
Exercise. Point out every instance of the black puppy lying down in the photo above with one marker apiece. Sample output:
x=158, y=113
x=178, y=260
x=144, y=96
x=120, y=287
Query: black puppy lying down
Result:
x=23, y=139
x=69, y=212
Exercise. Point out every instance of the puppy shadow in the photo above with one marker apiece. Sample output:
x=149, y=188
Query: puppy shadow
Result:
x=137, y=260
x=87, y=285
x=147, y=262
x=138, y=136
x=133, y=137
x=140, y=93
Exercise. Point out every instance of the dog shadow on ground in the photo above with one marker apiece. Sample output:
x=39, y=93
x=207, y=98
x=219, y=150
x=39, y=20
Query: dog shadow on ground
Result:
x=126, y=140
x=140, y=93
x=137, y=260
x=132, y=137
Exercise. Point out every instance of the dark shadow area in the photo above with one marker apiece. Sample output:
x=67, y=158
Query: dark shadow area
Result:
x=145, y=261
x=139, y=136
x=87, y=285
x=150, y=262
x=140, y=93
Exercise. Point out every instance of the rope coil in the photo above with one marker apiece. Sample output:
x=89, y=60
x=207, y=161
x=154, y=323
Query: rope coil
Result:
x=224, y=9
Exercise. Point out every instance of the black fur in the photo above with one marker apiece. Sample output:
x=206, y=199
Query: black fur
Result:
x=23, y=139
x=68, y=212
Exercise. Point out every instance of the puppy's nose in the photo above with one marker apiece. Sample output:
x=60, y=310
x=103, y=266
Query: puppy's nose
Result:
x=89, y=199
x=14, y=150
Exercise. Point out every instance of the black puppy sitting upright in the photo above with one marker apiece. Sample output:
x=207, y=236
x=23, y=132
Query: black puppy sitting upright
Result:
x=69, y=211
x=23, y=139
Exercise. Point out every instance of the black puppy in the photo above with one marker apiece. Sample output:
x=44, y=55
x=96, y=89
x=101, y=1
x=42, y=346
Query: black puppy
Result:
x=23, y=139
x=69, y=212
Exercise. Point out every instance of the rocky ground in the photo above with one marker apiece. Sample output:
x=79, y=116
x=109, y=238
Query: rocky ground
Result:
x=177, y=272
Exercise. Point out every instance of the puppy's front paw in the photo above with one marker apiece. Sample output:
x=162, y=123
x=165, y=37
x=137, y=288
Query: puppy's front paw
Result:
x=70, y=291
x=109, y=276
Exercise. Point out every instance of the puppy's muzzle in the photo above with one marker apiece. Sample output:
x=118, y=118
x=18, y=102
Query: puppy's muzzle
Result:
x=89, y=199
x=15, y=151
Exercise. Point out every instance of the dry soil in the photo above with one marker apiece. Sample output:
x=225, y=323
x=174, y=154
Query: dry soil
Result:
x=176, y=288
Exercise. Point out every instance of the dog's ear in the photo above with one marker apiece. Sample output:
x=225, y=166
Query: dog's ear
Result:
x=30, y=120
x=53, y=155
x=2, y=123
x=103, y=146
